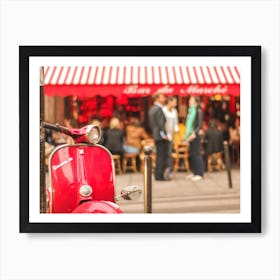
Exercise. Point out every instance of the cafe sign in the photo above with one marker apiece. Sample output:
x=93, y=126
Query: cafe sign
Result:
x=184, y=90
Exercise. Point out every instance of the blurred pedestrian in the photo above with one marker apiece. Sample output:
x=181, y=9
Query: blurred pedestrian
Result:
x=213, y=140
x=157, y=122
x=193, y=126
x=171, y=116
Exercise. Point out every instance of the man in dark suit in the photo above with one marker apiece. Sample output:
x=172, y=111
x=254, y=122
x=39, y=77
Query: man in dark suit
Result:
x=157, y=124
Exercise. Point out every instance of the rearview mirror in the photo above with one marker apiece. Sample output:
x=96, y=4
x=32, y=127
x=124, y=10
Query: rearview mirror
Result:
x=129, y=193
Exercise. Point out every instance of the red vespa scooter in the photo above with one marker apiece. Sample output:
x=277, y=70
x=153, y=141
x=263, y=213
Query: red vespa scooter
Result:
x=82, y=175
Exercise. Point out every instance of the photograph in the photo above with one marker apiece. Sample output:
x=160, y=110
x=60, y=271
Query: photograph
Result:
x=139, y=134
x=152, y=133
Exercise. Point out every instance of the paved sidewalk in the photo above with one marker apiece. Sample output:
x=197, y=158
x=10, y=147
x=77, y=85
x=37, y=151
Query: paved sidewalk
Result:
x=182, y=195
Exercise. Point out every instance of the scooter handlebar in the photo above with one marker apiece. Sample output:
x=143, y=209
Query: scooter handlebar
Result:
x=87, y=134
x=58, y=128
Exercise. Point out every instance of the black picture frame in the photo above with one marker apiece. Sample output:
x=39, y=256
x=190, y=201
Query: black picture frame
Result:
x=254, y=52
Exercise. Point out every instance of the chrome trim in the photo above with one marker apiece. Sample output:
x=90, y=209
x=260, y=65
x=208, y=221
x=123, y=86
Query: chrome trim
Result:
x=89, y=128
x=68, y=145
x=88, y=188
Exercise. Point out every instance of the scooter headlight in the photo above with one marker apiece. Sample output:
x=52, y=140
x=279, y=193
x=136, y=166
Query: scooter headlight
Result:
x=85, y=190
x=93, y=134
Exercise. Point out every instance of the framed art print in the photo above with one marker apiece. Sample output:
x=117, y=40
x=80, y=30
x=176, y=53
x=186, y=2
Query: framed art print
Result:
x=90, y=156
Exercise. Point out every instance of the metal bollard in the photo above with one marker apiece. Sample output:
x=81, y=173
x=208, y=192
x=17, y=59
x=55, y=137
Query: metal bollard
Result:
x=148, y=180
x=227, y=163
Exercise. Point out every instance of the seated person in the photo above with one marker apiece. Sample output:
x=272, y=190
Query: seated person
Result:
x=114, y=138
x=213, y=140
x=134, y=134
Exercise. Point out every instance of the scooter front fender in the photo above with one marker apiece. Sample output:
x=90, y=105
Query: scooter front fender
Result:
x=98, y=207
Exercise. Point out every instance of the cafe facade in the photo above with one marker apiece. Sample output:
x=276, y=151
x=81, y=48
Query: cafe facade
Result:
x=88, y=92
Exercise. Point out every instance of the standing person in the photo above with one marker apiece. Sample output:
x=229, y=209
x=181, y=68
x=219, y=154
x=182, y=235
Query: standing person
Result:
x=193, y=125
x=171, y=116
x=157, y=124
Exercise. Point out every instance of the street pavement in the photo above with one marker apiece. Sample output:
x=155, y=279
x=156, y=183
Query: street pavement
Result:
x=181, y=195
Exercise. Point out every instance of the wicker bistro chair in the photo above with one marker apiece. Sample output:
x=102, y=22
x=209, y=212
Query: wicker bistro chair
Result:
x=117, y=162
x=215, y=162
x=129, y=162
x=181, y=158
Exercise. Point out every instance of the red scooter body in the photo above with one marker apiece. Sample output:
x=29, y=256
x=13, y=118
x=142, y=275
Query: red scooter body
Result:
x=82, y=178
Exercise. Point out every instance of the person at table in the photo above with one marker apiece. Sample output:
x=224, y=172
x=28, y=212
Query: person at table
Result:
x=134, y=135
x=213, y=140
x=114, y=138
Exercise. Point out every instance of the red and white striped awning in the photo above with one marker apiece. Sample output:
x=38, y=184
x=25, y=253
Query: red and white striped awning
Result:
x=138, y=81
x=144, y=75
